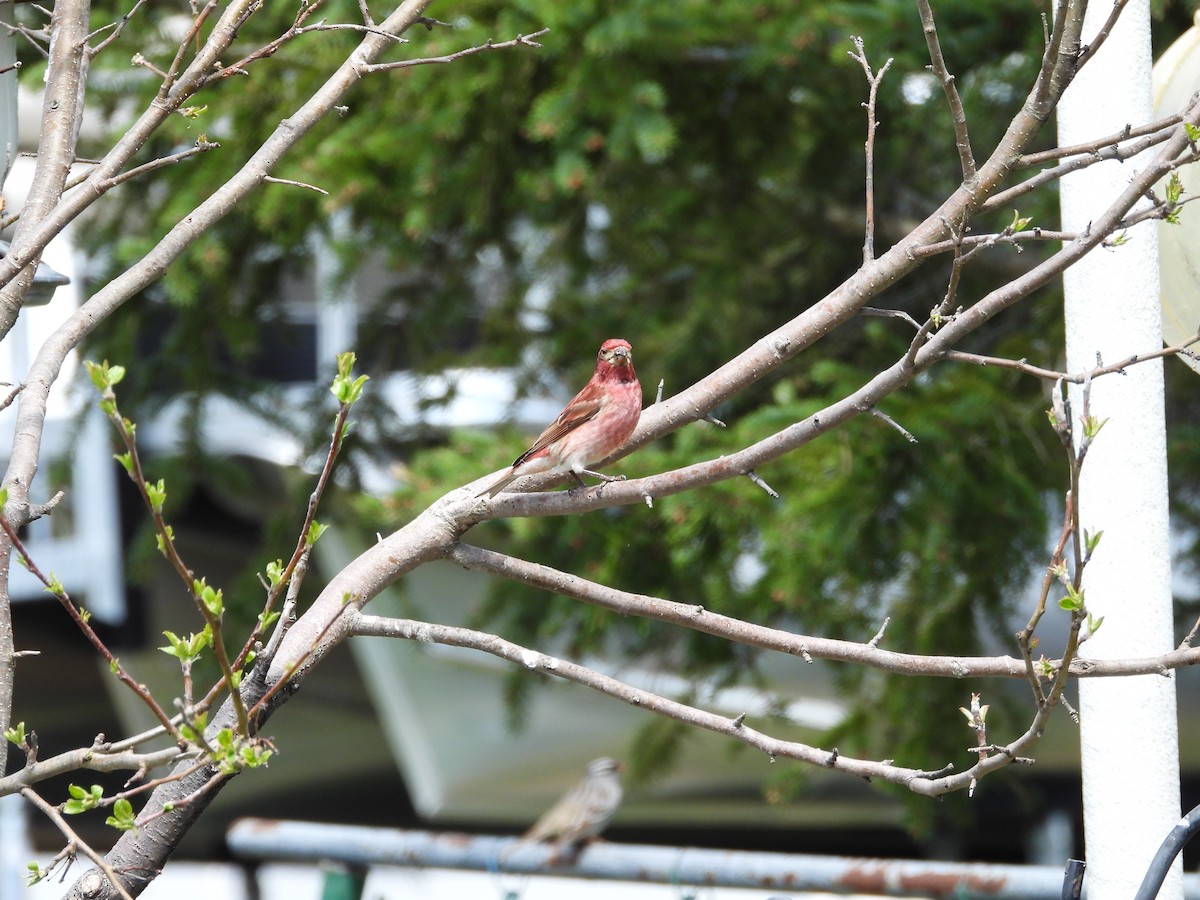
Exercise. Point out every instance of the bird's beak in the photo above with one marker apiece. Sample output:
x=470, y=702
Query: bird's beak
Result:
x=620, y=357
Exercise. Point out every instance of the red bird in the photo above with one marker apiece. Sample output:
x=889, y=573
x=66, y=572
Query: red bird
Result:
x=592, y=427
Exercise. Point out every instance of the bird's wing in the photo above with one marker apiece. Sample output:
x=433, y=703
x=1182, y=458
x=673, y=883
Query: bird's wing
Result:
x=559, y=820
x=582, y=409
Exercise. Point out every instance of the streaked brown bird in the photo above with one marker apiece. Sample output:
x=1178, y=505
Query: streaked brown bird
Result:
x=583, y=812
x=591, y=428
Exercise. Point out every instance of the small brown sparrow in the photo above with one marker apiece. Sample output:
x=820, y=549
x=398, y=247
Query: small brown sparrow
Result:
x=583, y=812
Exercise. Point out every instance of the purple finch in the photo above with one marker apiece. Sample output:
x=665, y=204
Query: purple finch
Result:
x=592, y=427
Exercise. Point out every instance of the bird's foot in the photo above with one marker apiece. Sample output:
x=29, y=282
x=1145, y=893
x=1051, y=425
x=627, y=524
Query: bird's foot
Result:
x=600, y=476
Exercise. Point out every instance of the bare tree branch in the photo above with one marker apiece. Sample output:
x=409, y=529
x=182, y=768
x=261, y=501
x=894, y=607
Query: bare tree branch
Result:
x=957, y=114
x=1089, y=51
x=117, y=28
x=62, y=110
x=985, y=241
x=300, y=184
x=1021, y=365
x=1160, y=127
x=1046, y=176
x=929, y=783
x=736, y=727
x=528, y=40
x=873, y=81
x=171, y=97
x=94, y=758
x=697, y=618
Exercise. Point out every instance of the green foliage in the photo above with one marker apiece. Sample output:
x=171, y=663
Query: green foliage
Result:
x=274, y=571
x=82, y=799
x=188, y=649
x=1092, y=426
x=212, y=599
x=1073, y=601
x=103, y=375
x=34, y=873
x=346, y=387
x=194, y=730
x=157, y=494
x=122, y=817
x=231, y=753
x=16, y=734
x=315, y=530
x=1019, y=222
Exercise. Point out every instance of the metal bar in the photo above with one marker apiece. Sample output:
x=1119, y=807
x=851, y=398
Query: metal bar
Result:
x=1174, y=842
x=269, y=839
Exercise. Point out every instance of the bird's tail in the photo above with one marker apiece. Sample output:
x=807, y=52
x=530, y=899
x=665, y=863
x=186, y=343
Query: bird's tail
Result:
x=496, y=487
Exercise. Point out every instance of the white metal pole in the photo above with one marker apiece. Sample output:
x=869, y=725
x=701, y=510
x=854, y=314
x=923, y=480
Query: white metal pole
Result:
x=1129, y=733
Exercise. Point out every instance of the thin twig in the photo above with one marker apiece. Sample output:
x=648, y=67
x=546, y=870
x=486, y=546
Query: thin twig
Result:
x=889, y=314
x=271, y=179
x=216, y=779
x=873, y=81
x=296, y=665
x=1005, y=198
x=92, y=758
x=874, y=642
x=140, y=60
x=884, y=417
x=81, y=621
x=74, y=841
x=959, y=117
x=808, y=647
x=297, y=566
x=1161, y=127
x=132, y=463
x=1088, y=51
x=161, y=162
x=11, y=395
x=984, y=241
x=754, y=477
x=296, y=30
x=1186, y=643
x=938, y=315
x=37, y=510
x=917, y=780
x=117, y=27
x=172, y=73
x=521, y=39
x=1020, y=365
